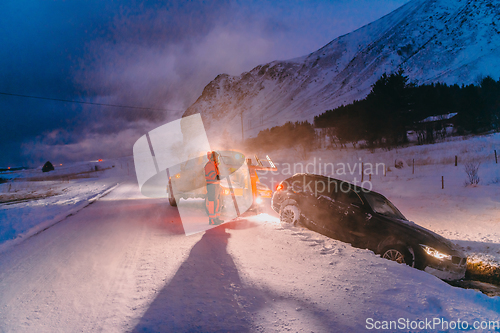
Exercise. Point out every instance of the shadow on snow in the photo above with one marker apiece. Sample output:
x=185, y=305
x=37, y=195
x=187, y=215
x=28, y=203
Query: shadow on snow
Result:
x=207, y=295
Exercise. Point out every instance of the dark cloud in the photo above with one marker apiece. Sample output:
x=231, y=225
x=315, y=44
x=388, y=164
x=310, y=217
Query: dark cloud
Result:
x=141, y=53
x=152, y=23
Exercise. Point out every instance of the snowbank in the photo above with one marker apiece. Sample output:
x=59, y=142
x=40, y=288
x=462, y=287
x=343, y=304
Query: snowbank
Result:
x=33, y=201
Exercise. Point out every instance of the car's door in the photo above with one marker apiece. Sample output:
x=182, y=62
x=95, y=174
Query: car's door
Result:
x=330, y=210
x=352, y=217
x=319, y=203
x=381, y=224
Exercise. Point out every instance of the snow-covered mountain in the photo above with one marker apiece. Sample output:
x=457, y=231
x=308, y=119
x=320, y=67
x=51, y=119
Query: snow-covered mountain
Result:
x=451, y=41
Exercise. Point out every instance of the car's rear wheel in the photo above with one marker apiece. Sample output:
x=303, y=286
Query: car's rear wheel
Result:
x=290, y=214
x=399, y=254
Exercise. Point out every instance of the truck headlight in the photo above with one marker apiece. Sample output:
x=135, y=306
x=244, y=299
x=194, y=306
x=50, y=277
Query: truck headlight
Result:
x=435, y=253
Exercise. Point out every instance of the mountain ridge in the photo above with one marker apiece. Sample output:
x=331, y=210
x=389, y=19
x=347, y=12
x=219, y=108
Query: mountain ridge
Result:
x=449, y=41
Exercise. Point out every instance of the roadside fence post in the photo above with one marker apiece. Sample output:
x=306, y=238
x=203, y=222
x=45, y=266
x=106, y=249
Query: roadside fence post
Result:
x=362, y=172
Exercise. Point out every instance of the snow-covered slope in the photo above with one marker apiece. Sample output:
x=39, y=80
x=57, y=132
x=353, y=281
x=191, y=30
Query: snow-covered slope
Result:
x=451, y=41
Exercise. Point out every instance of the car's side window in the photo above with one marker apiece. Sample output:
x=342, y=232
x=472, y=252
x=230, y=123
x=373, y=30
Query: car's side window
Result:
x=340, y=190
x=349, y=197
x=354, y=198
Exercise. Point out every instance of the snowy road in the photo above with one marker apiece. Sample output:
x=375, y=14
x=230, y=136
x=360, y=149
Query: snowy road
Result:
x=124, y=264
x=93, y=270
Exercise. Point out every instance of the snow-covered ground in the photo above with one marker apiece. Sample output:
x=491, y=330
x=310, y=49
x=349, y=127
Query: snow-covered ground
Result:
x=33, y=200
x=124, y=263
x=309, y=282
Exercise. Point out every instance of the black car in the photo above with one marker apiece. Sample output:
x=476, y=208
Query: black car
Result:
x=365, y=219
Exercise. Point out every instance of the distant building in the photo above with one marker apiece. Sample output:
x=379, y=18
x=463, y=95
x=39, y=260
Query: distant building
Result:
x=47, y=167
x=431, y=128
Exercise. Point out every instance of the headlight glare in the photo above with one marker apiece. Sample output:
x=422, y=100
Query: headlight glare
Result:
x=435, y=253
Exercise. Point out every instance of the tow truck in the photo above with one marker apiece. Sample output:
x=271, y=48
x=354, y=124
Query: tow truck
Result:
x=189, y=181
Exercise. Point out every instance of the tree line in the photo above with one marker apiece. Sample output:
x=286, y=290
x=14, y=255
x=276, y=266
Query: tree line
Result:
x=300, y=135
x=396, y=105
x=392, y=108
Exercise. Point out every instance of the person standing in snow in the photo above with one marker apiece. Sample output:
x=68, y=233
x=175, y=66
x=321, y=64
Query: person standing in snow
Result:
x=212, y=200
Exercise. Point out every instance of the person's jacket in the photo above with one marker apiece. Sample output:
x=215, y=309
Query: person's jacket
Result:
x=212, y=173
